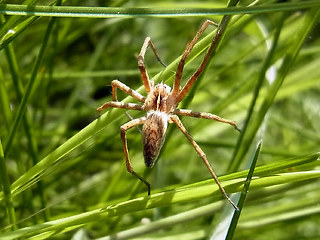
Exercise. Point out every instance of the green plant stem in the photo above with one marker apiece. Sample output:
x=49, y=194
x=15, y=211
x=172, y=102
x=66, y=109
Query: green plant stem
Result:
x=118, y=12
x=9, y=24
x=236, y=214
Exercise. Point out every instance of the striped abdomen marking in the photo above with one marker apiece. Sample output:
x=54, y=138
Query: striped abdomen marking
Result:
x=154, y=133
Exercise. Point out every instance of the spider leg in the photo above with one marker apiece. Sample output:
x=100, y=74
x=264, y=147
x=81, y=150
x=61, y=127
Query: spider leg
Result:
x=176, y=120
x=117, y=84
x=143, y=71
x=123, y=130
x=130, y=106
x=190, y=113
x=177, y=80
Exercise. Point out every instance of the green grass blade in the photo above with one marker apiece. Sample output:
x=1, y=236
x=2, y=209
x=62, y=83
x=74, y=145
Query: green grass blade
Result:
x=165, y=223
x=9, y=24
x=281, y=212
x=16, y=31
x=153, y=201
x=236, y=214
x=100, y=12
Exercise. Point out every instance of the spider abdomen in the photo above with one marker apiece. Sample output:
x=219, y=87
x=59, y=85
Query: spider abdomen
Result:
x=154, y=133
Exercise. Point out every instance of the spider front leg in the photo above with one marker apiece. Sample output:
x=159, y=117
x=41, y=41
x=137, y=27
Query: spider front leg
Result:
x=177, y=80
x=143, y=71
x=129, y=106
x=176, y=120
x=123, y=130
x=117, y=84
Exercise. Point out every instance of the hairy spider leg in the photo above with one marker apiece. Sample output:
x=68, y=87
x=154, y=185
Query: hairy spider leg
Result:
x=190, y=113
x=194, y=77
x=176, y=94
x=178, y=76
x=117, y=84
x=129, y=106
x=176, y=120
x=143, y=71
x=123, y=130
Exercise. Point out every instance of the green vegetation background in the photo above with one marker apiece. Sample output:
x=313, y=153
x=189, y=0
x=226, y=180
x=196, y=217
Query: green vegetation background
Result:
x=63, y=171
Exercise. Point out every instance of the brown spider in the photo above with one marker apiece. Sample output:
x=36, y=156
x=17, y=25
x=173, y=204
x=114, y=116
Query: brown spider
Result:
x=161, y=107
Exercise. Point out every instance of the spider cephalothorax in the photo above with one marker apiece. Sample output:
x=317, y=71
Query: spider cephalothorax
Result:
x=160, y=99
x=160, y=105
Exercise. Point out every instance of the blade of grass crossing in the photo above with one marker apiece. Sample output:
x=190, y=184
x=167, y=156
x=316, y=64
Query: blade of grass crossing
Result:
x=156, y=200
x=10, y=23
x=265, y=170
x=236, y=214
x=165, y=223
x=15, y=32
x=118, y=12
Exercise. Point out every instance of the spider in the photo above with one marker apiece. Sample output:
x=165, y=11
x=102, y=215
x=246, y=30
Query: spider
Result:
x=161, y=107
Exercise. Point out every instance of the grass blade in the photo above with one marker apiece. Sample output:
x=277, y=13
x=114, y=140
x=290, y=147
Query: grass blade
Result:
x=236, y=214
x=153, y=201
x=100, y=12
